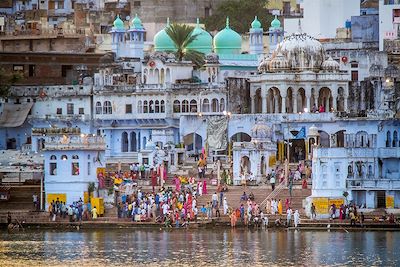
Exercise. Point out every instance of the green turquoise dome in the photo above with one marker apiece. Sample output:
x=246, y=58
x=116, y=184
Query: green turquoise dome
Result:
x=162, y=41
x=275, y=23
x=256, y=24
x=118, y=24
x=203, y=41
x=227, y=41
x=136, y=23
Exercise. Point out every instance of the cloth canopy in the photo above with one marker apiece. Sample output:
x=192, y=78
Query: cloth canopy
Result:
x=14, y=115
x=217, y=132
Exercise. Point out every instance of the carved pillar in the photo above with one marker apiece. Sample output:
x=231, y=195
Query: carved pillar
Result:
x=283, y=104
x=253, y=108
x=276, y=99
x=294, y=99
x=263, y=102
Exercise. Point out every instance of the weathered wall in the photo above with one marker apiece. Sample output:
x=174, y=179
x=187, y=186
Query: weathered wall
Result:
x=238, y=95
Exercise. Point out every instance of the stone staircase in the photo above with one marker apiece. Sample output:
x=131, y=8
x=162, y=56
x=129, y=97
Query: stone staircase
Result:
x=20, y=198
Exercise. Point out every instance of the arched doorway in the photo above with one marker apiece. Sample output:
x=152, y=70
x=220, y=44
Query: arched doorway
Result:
x=325, y=98
x=133, y=142
x=324, y=139
x=245, y=165
x=262, y=165
x=193, y=142
x=301, y=101
x=258, y=101
x=124, y=142
x=339, y=138
x=274, y=100
x=241, y=137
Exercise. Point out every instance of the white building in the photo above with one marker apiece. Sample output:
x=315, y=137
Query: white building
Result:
x=389, y=21
x=71, y=162
x=321, y=18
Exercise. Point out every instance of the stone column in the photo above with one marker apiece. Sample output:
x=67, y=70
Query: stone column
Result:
x=276, y=103
x=263, y=103
x=253, y=108
x=345, y=103
x=283, y=104
x=308, y=103
x=294, y=99
x=334, y=102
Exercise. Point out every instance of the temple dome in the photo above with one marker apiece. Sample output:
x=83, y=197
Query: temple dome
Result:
x=227, y=41
x=256, y=24
x=118, y=24
x=136, y=23
x=330, y=65
x=264, y=65
x=261, y=131
x=162, y=41
x=302, y=51
x=203, y=41
x=279, y=63
x=275, y=23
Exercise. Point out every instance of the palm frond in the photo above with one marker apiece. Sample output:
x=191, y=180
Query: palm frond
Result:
x=195, y=56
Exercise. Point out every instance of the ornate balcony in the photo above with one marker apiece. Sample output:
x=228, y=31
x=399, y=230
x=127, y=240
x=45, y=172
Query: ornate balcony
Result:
x=75, y=142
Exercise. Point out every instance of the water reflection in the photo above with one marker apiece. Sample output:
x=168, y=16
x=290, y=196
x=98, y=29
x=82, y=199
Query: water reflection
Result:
x=224, y=247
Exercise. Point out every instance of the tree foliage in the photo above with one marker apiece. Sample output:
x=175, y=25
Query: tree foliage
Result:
x=181, y=35
x=241, y=14
x=6, y=80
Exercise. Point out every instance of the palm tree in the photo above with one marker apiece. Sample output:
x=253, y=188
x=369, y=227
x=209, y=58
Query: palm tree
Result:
x=181, y=35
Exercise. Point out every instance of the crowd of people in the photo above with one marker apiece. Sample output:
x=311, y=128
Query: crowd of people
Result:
x=77, y=211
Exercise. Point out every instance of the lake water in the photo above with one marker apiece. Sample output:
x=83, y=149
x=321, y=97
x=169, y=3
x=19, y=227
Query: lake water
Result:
x=223, y=247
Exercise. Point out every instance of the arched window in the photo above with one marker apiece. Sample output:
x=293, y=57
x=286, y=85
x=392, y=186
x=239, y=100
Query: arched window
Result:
x=53, y=157
x=388, y=139
x=64, y=157
x=177, y=106
x=124, y=142
x=140, y=106
x=222, y=105
x=107, y=108
x=145, y=107
x=214, y=105
x=98, y=107
x=133, y=142
x=157, y=106
x=151, y=106
x=206, y=105
x=185, y=106
x=75, y=157
x=193, y=106
x=162, y=106
x=395, y=139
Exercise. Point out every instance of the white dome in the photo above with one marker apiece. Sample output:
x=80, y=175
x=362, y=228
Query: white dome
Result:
x=279, y=62
x=264, y=65
x=302, y=51
x=330, y=65
x=261, y=131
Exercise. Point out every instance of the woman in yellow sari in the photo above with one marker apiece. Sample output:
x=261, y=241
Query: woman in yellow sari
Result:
x=280, y=207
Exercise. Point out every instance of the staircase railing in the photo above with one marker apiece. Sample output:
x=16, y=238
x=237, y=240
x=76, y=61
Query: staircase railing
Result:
x=274, y=193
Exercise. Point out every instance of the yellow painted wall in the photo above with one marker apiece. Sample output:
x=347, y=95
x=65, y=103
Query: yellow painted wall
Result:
x=61, y=197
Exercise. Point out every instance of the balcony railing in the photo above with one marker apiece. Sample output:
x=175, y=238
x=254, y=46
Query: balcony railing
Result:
x=84, y=142
x=374, y=183
x=60, y=117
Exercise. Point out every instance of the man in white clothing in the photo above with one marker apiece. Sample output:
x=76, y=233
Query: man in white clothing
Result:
x=225, y=205
x=288, y=216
